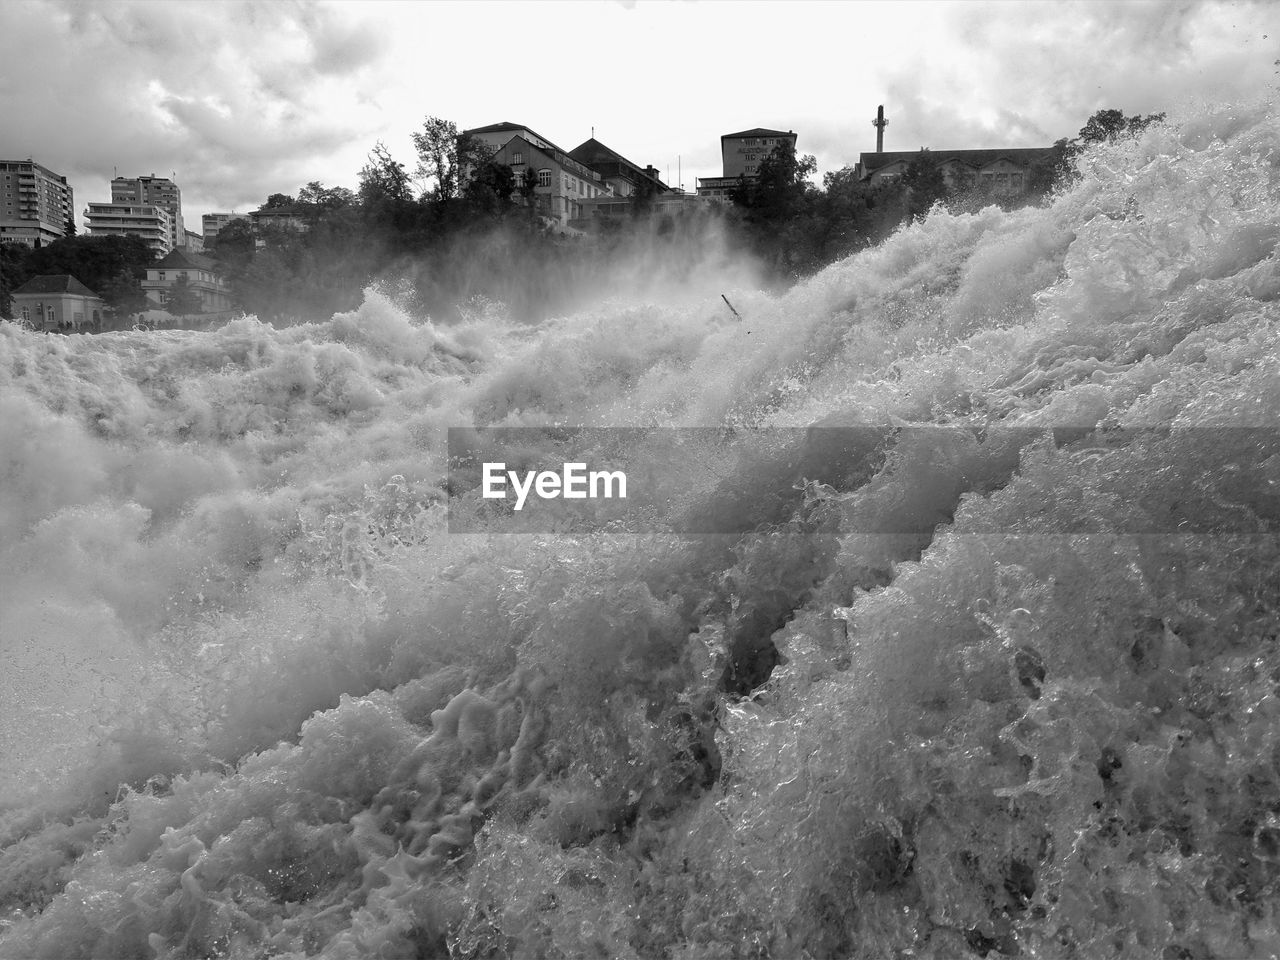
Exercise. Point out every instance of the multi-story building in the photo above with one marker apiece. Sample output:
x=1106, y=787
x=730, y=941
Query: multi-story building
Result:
x=625, y=177
x=36, y=204
x=560, y=183
x=200, y=274
x=740, y=156
x=211, y=223
x=156, y=191
x=152, y=224
x=57, y=302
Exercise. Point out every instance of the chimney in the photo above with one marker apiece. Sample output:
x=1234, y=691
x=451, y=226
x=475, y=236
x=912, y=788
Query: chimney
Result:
x=879, y=123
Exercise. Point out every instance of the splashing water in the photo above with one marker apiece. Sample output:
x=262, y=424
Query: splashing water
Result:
x=257, y=701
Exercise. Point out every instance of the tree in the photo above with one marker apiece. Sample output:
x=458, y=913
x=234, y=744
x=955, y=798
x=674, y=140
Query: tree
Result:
x=490, y=187
x=277, y=200
x=1112, y=124
x=383, y=178
x=13, y=274
x=233, y=245
x=320, y=200
x=122, y=295
x=925, y=182
x=446, y=157
x=183, y=300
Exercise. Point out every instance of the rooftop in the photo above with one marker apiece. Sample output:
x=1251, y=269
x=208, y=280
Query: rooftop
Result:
x=183, y=259
x=758, y=132
x=870, y=162
x=55, y=283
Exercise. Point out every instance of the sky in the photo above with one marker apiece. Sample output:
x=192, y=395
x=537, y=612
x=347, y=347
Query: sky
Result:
x=239, y=99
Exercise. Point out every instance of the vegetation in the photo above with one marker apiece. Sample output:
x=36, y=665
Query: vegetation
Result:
x=112, y=267
x=462, y=228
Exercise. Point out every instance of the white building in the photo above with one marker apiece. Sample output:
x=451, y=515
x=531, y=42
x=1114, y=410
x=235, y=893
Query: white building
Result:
x=152, y=224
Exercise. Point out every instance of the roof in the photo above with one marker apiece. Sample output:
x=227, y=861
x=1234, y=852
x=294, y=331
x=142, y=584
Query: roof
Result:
x=595, y=154
x=758, y=132
x=506, y=126
x=286, y=210
x=180, y=258
x=871, y=162
x=55, y=283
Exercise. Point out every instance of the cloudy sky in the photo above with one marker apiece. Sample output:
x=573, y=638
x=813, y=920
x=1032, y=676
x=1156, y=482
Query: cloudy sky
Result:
x=243, y=99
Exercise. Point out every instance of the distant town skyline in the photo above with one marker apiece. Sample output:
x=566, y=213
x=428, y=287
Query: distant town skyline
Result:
x=239, y=100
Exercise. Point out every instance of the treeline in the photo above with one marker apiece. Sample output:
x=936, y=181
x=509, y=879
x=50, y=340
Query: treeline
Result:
x=455, y=243
x=112, y=267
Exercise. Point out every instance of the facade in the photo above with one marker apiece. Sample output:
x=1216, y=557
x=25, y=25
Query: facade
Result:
x=560, y=184
x=36, y=204
x=152, y=224
x=740, y=156
x=195, y=243
x=58, y=302
x=211, y=223
x=292, y=217
x=998, y=172
x=156, y=191
x=741, y=153
x=201, y=275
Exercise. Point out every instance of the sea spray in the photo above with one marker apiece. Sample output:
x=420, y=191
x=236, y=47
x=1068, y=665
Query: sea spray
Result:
x=1007, y=685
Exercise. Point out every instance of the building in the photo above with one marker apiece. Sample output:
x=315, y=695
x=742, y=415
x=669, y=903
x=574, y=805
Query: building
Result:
x=289, y=217
x=201, y=275
x=496, y=135
x=36, y=204
x=561, y=184
x=156, y=191
x=211, y=223
x=1000, y=172
x=152, y=224
x=740, y=156
x=623, y=176
x=195, y=242
x=57, y=302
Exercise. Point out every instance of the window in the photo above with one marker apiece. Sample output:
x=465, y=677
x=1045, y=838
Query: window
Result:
x=26, y=313
x=517, y=157
x=544, y=178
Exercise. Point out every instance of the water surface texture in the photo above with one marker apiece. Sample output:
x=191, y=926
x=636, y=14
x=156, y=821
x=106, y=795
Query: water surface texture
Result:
x=980, y=691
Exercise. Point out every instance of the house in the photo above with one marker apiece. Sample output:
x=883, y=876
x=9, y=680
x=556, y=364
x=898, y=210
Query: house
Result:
x=1001, y=172
x=58, y=302
x=201, y=275
x=740, y=156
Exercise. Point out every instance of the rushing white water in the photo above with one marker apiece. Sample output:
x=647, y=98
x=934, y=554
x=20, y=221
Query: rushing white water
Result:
x=257, y=701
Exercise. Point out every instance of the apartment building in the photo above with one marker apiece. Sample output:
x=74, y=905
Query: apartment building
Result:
x=36, y=204
x=156, y=191
x=153, y=224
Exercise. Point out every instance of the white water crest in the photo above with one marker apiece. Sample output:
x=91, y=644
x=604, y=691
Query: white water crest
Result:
x=256, y=700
